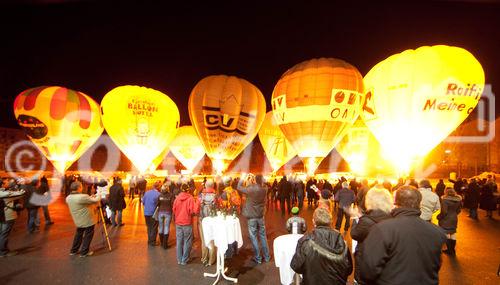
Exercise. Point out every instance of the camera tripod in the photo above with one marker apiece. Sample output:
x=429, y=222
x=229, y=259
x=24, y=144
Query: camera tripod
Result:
x=104, y=230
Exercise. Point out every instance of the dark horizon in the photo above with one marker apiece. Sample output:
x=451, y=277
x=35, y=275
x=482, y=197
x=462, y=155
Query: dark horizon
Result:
x=94, y=46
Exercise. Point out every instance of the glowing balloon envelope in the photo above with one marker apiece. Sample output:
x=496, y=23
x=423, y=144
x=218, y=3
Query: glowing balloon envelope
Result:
x=187, y=148
x=277, y=148
x=226, y=113
x=362, y=151
x=141, y=121
x=416, y=98
x=314, y=103
x=61, y=122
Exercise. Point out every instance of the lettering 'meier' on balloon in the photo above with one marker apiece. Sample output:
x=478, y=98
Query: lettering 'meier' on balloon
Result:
x=226, y=113
x=418, y=97
x=61, y=122
x=142, y=122
x=314, y=103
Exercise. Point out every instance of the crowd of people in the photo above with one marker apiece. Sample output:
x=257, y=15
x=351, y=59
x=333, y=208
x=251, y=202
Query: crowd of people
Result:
x=393, y=225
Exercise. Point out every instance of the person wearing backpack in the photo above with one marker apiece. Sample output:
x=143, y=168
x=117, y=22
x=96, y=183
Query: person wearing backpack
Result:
x=207, y=199
x=233, y=197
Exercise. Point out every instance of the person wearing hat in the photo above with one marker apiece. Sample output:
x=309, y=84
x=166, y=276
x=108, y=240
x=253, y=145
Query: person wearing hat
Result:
x=296, y=224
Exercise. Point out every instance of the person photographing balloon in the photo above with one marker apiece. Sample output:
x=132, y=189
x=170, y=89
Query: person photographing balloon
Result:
x=8, y=214
x=253, y=209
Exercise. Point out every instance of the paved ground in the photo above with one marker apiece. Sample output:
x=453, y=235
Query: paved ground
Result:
x=44, y=258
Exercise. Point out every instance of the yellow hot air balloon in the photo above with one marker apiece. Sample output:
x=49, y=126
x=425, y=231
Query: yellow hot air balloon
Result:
x=416, y=98
x=227, y=113
x=314, y=103
x=277, y=148
x=61, y=122
x=187, y=148
x=362, y=151
x=141, y=121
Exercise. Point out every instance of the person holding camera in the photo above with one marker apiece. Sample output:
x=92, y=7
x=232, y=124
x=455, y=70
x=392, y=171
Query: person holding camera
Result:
x=253, y=210
x=82, y=209
x=8, y=214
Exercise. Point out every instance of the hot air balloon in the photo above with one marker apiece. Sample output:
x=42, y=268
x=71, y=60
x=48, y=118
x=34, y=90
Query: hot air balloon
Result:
x=187, y=148
x=159, y=159
x=362, y=151
x=277, y=148
x=226, y=113
x=314, y=103
x=61, y=122
x=416, y=98
x=141, y=121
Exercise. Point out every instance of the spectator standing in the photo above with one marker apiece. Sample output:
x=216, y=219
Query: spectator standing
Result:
x=345, y=197
x=8, y=215
x=253, y=210
x=296, y=224
x=405, y=249
x=448, y=218
x=185, y=206
x=117, y=202
x=322, y=256
x=430, y=201
x=165, y=204
x=378, y=201
x=83, y=211
x=150, y=202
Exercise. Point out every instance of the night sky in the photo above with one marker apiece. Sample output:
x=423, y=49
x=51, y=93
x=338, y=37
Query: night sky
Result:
x=94, y=46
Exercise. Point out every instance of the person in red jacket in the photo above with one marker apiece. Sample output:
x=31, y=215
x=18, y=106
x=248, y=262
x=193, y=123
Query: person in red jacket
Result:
x=185, y=206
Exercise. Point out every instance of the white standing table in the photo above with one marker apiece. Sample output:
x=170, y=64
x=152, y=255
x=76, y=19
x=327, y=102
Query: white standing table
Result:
x=223, y=230
x=284, y=250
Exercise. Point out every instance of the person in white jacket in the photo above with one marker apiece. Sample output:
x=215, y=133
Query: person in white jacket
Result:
x=430, y=201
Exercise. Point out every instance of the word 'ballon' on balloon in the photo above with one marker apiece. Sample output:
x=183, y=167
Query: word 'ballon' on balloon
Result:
x=61, y=122
x=314, y=103
x=277, y=148
x=141, y=121
x=416, y=98
x=187, y=148
x=226, y=112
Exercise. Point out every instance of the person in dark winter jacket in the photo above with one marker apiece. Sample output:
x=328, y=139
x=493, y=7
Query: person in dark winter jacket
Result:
x=284, y=193
x=322, y=256
x=488, y=200
x=440, y=186
x=345, y=197
x=448, y=218
x=253, y=210
x=378, y=201
x=32, y=187
x=457, y=185
x=117, y=202
x=471, y=198
x=404, y=249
